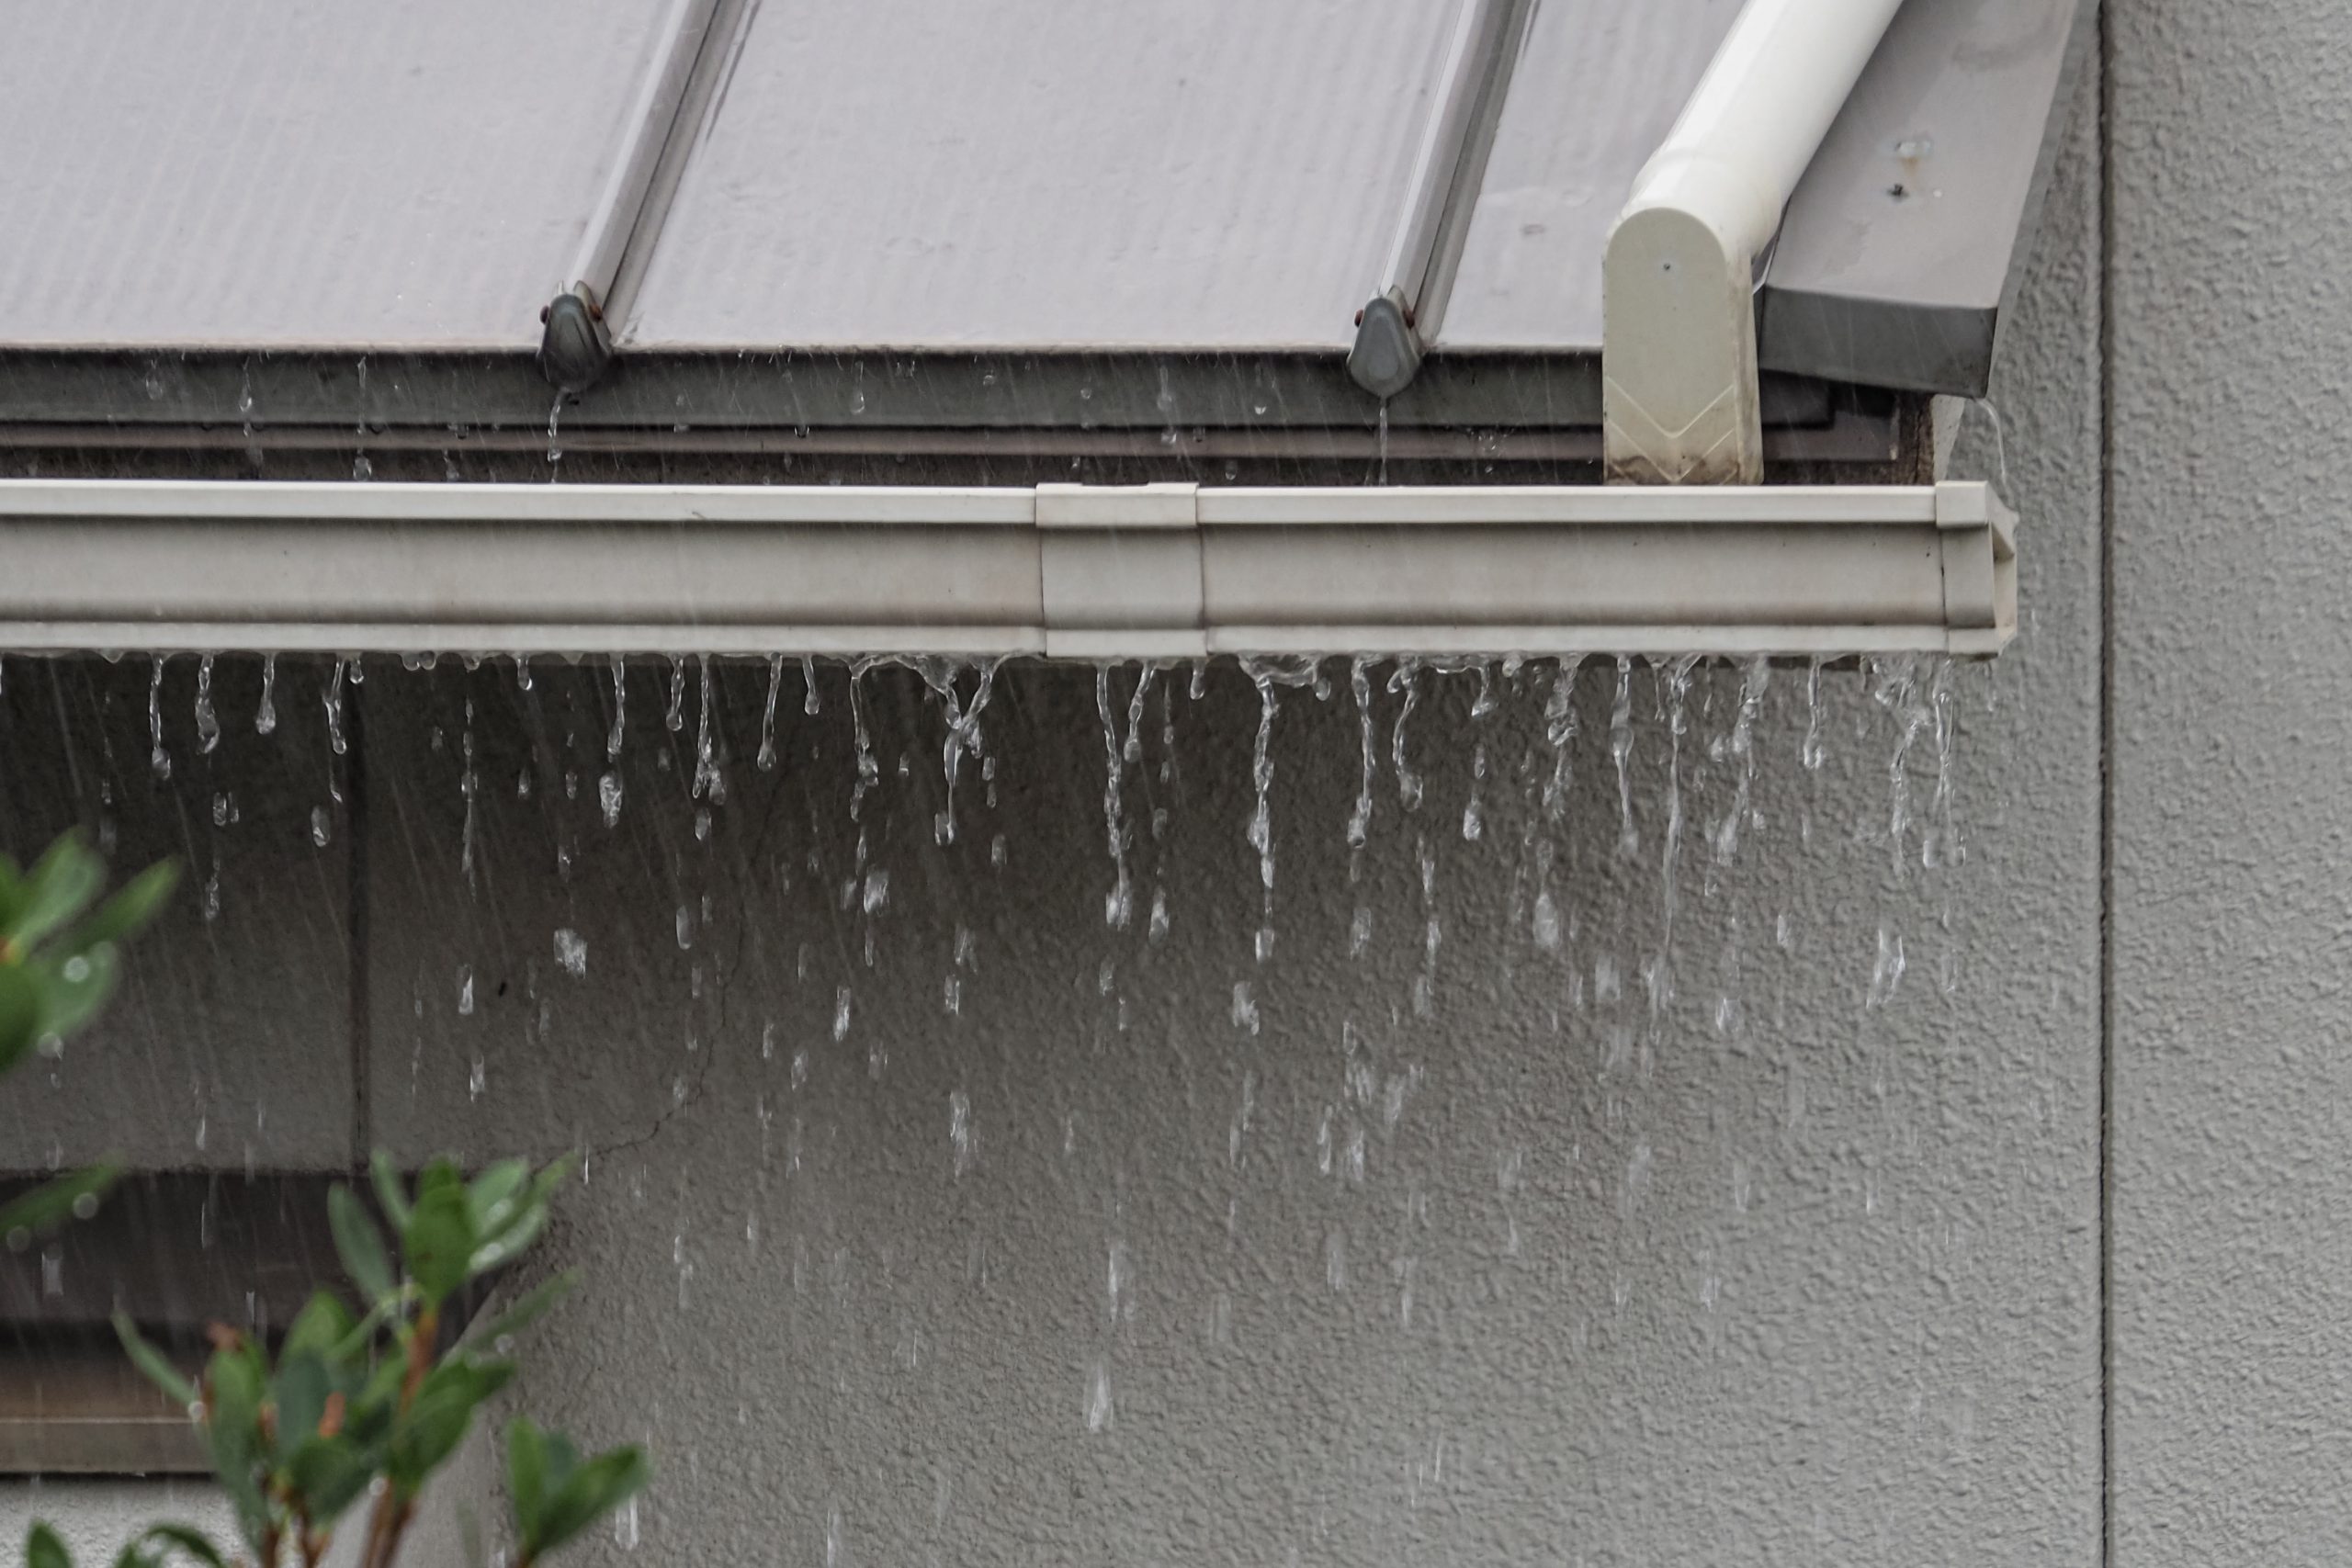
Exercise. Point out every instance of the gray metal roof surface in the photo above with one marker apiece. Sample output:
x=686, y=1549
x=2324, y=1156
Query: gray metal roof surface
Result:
x=1022, y=176
x=1597, y=86
x=1051, y=172
x=313, y=172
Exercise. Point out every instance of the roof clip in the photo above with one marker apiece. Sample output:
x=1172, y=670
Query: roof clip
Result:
x=1386, y=354
x=625, y=222
x=1680, y=397
x=577, y=345
x=1396, y=326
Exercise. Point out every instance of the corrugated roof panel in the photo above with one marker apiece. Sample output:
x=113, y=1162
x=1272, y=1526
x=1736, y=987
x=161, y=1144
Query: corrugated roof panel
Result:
x=260, y=172
x=1597, y=85
x=1180, y=174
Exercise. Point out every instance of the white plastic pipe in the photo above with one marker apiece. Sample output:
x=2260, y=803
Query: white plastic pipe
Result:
x=1079, y=571
x=1678, y=333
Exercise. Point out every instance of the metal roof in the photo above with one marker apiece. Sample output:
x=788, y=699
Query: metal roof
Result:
x=1167, y=173
x=1015, y=177
x=255, y=173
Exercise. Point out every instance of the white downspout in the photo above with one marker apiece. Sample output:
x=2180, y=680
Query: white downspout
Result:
x=1680, y=394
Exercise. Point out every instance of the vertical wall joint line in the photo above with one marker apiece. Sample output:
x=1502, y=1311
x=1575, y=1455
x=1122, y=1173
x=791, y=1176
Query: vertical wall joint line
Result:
x=2105, y=144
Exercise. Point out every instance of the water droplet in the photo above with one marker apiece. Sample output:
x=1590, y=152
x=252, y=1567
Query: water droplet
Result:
x=620, y=709
x=207, y=723
x=266, y=717
x=1811, y=753
x=959, y=1130
x=157, y=757
x=1621, y=751
x=1098, y=1399
x=1886, y=973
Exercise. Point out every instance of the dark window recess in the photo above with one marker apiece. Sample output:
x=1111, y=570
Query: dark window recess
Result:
x=178, y=1253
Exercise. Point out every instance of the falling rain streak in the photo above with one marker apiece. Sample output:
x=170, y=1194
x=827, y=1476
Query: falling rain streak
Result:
x=1509, y=880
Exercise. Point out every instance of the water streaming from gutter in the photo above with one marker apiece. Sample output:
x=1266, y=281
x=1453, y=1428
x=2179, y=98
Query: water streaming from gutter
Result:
x=1701, y=770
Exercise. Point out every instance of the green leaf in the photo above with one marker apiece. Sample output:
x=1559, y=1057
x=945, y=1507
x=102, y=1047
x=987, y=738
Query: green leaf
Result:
x=136, y=1555
x=299, y=1391
x=383, y=1385
x=234, y=1389
x=389, y=1192
x=191, y=1541
x=321, y=1327
x=491, y=1199
x=74, y=987
x=329, y=1475
x=50, y=1205
x=527, y=1482
x=62, y=883
x=44, y=1549
x=359, y=1244
x=429, y=1431
x=439, y=1240
x=524, y=1312
x=357, y=1344
x=20, y=1008
x=439, y=1174
x=509, y=1244
x=550, y=1176
x=130, y=909
x=595, y=1489
x=153, y=1362
x=12, y=892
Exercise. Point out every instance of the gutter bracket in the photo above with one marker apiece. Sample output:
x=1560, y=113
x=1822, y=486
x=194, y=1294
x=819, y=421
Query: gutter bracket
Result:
x=1119, y=572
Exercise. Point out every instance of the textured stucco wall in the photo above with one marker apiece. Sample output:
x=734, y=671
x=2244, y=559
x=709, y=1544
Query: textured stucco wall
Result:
x=98, y=1518
x=2233, y=1266
x=1803, y=1265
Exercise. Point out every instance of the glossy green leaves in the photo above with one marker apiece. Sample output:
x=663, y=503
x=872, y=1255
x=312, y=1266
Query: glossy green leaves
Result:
x=55, y=974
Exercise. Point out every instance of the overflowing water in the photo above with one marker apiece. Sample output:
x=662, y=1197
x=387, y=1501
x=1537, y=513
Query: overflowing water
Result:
x=1336, y=1074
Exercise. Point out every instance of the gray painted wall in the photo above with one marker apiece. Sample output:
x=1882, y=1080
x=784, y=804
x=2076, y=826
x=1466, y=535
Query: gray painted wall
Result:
x=2231, y=664
x=1787, y=1268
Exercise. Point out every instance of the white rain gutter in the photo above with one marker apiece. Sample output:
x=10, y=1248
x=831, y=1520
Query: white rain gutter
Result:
x=1679, y=280
x=1062, y=571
